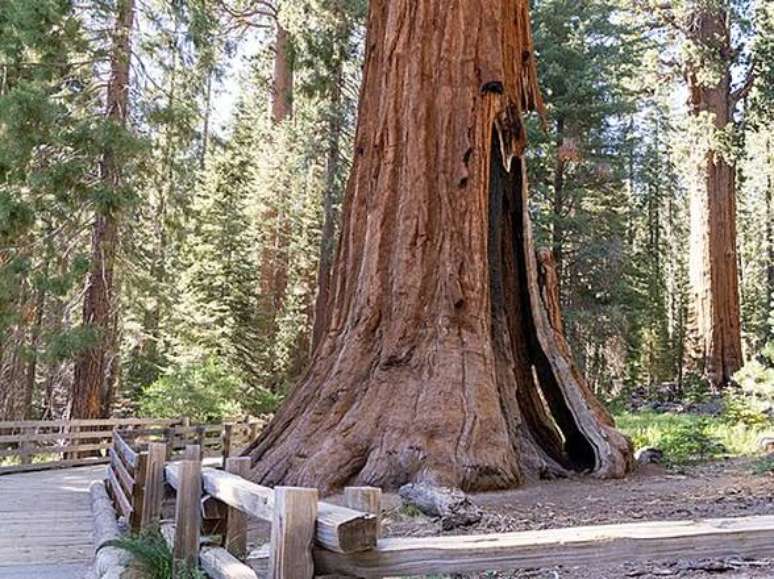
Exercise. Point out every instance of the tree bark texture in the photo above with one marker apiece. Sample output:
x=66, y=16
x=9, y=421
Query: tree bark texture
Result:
x=714, y=272
x=95, y=367
x=439, y=364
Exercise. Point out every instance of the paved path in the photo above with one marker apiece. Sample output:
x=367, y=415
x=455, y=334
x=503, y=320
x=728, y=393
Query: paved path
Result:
x=46, y=529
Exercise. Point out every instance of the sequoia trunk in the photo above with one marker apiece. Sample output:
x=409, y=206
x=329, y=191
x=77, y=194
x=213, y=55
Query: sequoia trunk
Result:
x=439, y=364
x=714, y=270
x=95, y=367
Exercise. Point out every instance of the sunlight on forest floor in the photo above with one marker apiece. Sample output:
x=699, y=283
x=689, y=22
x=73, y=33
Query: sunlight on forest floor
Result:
x=690, y=438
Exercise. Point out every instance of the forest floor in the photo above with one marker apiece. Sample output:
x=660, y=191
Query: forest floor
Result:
x=722, y=488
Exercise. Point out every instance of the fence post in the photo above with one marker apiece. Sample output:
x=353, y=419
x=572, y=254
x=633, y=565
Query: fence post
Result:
x=168, y=434
x=24, y=447
x=200, y=438
x=228, y=429
x=188, y=512
x=366, y=500
x=235, y=540
x=154, y=483
x=292, y=533
x=138, y=492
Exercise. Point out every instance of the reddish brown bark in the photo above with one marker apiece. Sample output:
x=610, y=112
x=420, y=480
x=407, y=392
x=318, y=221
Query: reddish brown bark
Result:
x=439, y=364
x=274, y=267
x=713, y=262
x=95, y=367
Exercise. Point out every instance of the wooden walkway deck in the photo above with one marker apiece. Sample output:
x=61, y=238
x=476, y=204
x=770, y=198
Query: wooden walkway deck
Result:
x=46, y=524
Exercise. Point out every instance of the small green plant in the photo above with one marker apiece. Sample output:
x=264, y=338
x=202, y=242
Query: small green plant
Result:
x=764, y=466
x=742, y=409
x=152, y=556
x=410, y=511
x=691, y=442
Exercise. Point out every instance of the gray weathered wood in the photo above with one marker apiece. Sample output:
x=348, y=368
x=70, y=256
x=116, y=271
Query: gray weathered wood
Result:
x=453, y=506
x=188, y=514
x=154, y=483
x=109, y=422
x=235, y=536
x=124, y=451
x=220, y=564
x=583, y=546
x=53, y=465
x=138, y=492
x=27, y=450
x=117, y=465
x=46, y=523
x=119, y=495
x=107, y=559
x=338, y=528
x=367, y=500
x=292, y=533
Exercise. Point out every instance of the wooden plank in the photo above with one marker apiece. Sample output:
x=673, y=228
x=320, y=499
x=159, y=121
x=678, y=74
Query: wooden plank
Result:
x=367, y=500
x=582, y=546
x=34, y=450
x=138, y=492
x=53, y=465
x=220, y=564
x=56, y=436
x=154, y=483
x=127, y=453
x=292, y=533
x=118, y=494
x=126, y=480
x=235, y=536
x=188, y=515
x=338, y=528
x=109, y=422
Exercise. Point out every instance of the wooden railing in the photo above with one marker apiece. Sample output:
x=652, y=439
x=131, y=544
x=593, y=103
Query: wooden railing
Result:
x=311, y=537
x=46, y=444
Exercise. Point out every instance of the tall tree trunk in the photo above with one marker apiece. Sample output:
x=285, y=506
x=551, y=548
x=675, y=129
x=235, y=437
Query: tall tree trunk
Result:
x=282, y=101
x=32, y=362
x=95, y=367
x=330, y=200
x=557, y=230
x=714, y=271
x=274, y=267
x=439, y=363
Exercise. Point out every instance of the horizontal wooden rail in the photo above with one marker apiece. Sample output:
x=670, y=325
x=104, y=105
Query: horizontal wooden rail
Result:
x=59, y=449
x=585, y=546
x=338, y=528
x=110, y=422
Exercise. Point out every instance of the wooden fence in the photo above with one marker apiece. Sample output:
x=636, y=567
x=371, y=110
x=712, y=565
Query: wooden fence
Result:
x=46, y=444
x=311, y=537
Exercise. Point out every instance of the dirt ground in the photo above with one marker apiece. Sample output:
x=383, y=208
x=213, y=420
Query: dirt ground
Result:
x=718, y=489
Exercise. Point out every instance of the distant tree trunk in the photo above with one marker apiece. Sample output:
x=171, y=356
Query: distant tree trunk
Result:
x=274, y=266
x=558, y=204
x=439, y=363
x=282, y=101
x=330, y=200
x=714, y=271
x=32, y=362
x=94, y=368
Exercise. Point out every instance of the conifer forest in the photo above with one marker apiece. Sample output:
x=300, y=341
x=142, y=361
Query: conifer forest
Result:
x=471, y=243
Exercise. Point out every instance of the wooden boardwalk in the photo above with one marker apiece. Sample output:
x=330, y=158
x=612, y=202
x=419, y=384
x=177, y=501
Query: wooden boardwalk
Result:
x=46, y=528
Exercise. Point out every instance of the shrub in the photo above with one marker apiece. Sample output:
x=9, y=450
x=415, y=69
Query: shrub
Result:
x=205, y=392
x=690, y=442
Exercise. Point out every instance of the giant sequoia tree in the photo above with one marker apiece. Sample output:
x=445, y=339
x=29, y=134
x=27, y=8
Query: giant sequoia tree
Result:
x=714, y=264
x=439, y=363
